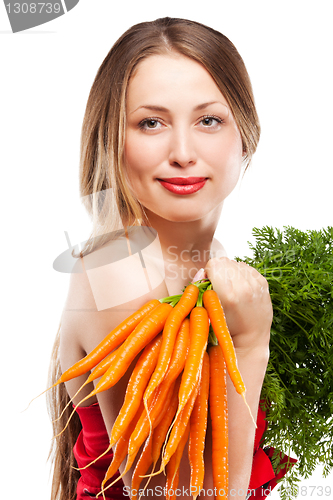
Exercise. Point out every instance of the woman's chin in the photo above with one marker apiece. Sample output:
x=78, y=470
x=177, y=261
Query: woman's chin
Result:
x=175, y=215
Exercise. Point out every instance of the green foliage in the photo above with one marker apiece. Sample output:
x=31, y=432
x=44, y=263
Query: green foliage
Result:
x=298, y=387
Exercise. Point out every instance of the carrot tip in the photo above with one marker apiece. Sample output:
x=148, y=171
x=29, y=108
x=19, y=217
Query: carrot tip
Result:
x=70, y=401
x=100, y=456
x=156, y=473
x=71, y=415
x=243, y=396
x=36, y=397
x=129, y=464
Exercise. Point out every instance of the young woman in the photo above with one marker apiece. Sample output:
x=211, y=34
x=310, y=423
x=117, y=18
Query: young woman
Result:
x=170, y=124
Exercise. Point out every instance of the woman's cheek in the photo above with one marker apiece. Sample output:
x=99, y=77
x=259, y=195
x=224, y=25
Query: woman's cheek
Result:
x=143, y=155
x=225, y=163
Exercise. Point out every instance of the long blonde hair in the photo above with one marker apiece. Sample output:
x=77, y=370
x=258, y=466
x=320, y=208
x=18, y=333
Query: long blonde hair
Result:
x=102, y=167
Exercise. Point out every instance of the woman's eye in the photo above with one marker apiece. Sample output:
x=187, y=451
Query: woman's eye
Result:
x=149, y=124
x=210, y=121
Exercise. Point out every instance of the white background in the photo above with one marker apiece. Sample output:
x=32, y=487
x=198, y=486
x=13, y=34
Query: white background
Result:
x=46, y=74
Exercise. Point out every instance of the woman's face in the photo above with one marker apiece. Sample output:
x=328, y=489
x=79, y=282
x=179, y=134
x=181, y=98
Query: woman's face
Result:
x=183, y=150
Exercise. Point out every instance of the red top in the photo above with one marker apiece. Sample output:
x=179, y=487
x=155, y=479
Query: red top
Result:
x=93, y=441
x=263, y=478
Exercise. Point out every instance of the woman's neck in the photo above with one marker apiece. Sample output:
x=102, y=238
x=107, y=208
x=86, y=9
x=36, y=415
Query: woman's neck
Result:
x=186, y=247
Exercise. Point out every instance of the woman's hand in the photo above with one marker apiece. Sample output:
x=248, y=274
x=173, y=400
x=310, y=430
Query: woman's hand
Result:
x=245, y=298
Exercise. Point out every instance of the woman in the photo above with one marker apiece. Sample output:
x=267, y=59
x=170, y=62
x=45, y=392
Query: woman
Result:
x=170, y=124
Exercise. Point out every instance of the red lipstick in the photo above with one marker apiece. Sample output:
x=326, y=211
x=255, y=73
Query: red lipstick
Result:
x=183, y=185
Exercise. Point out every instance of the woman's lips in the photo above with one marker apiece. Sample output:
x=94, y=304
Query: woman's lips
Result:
x=183, y=185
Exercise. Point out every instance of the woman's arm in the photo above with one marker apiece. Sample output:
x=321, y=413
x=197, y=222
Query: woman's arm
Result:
x=252, y=366
x=245, y=298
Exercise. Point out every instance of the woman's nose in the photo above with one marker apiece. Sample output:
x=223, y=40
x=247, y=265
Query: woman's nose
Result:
x=182, y=148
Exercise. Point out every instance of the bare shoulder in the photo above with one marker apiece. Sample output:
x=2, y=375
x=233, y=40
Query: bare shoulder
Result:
x=79, y=313
x=99, y=298
x=87, y=319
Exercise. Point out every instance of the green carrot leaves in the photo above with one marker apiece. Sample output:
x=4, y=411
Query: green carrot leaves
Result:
x=298, y=387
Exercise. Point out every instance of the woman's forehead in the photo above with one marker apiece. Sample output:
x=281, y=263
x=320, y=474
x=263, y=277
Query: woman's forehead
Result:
x=164, y=80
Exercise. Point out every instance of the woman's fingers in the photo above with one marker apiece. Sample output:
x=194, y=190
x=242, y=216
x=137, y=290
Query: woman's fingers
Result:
x=200, y=275
x=220, y=272
x=244, y=295
x=233, y=279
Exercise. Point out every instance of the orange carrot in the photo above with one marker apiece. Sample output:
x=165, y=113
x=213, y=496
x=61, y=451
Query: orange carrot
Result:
x=199, y=329
x=155, y=440
x=149, y=421
x=120, y=452
x=129, y=463
x=172, y=325
x=158, y=409
x=219, y=416
x=97, y=372
x=198, y=426
x=110, y=342
x=178, y=358
x=170, y=493
x=141, y=467
x=136, y=386
x=132, y=452
x=162, y=428
x=149, y=327
x=145, y=331
x=179, y=427
x=217, y=318
x=172, y=468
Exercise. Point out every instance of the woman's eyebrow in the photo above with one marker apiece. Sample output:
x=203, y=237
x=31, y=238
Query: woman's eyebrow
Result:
x=166, y=110
x=206, y=104
x=151, y=108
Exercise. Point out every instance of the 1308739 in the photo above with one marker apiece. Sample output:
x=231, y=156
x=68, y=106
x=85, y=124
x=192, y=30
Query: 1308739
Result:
x=34, y=8
x=314, y=491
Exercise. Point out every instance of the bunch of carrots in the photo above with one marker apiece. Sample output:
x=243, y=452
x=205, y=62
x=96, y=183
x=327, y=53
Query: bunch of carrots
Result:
x=186, y=351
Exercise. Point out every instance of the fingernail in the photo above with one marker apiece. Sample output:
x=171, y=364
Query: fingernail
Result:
x=200, y=275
